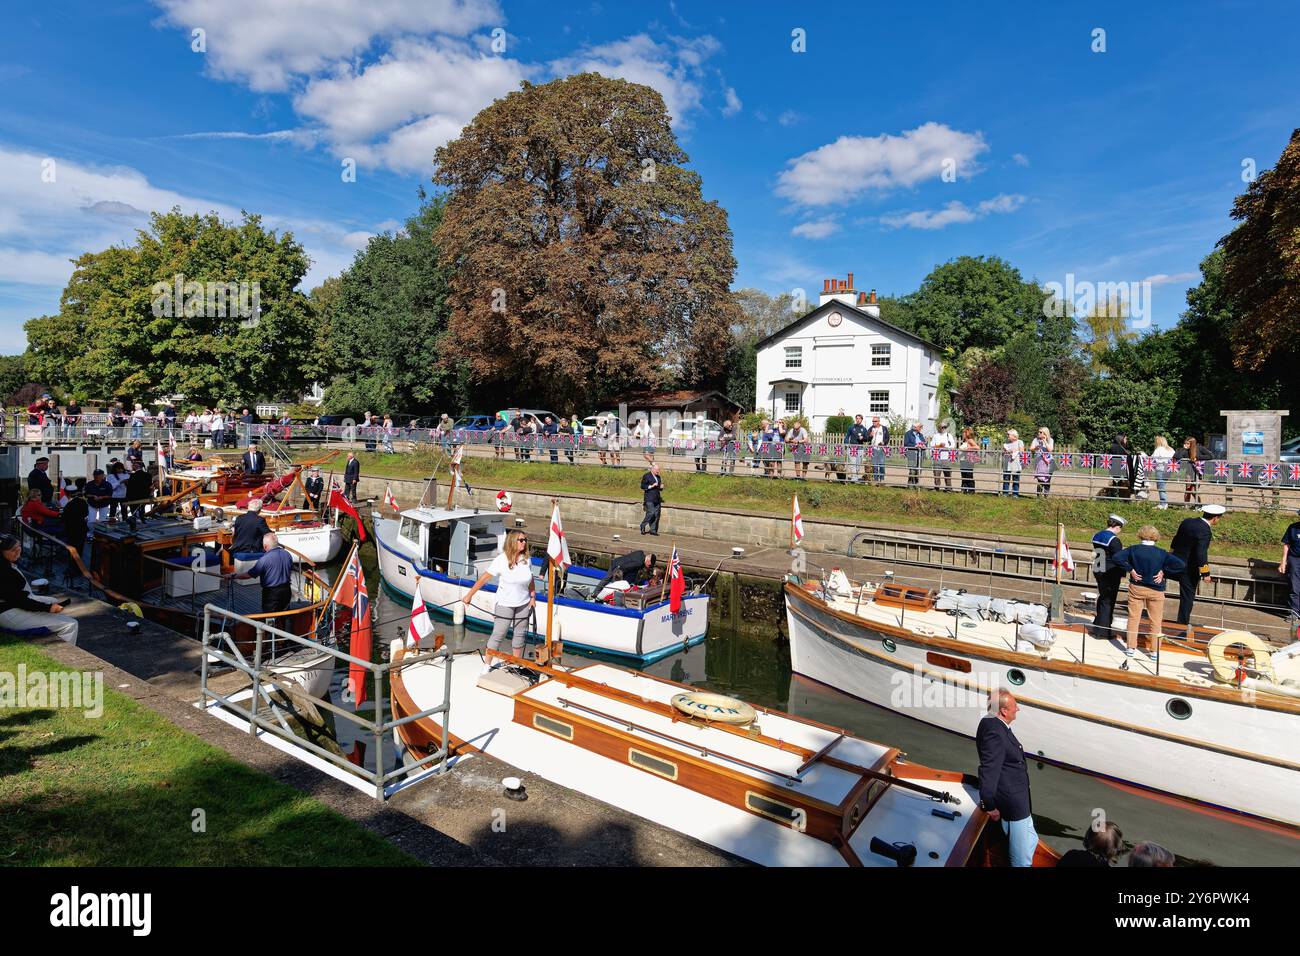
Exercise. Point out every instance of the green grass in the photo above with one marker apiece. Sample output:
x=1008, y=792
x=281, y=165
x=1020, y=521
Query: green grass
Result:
x=121, y=789
x=1240, y=534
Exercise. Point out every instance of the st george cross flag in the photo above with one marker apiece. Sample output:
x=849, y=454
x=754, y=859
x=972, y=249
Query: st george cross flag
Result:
x=796, y=521
x=389, y=499
x=421, y=626
x=676, y=582
x=351, y=593
x=557, y=546
x=1064, y=559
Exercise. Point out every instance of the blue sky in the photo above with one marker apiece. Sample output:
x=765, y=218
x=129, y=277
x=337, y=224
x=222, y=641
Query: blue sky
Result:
x=1114, y=166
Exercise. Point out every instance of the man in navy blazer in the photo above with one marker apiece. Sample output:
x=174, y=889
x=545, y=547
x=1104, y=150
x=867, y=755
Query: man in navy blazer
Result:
x=254, y=461
x=1004, y=777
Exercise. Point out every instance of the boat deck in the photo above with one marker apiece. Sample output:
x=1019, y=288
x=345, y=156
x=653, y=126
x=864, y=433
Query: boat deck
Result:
x=242, y=599
x=1071, y=645
x=483, y=719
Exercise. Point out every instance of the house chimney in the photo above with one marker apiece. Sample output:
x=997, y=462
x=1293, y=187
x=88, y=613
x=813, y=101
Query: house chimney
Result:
x=850, y=281
x=873, y=295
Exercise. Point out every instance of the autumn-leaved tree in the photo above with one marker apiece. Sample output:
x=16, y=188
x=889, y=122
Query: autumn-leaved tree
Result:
x=1262, y=265
x=584, y=260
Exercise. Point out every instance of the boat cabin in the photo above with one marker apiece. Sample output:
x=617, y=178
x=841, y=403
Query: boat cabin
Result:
x=459, y=542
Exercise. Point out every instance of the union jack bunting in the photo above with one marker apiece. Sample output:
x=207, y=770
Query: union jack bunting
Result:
x=1065, y=459
x=839, y=451
x=1221, y=469
x=853, y=451
x=1085, y=461
x=1105, y=460
x=1269, y=473
x=888, y=451
x=1024, y=458
x=821, y=450
x=1244, y=470
x=1295, y=472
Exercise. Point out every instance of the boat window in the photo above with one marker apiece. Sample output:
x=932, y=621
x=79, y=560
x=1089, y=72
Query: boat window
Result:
x=1178, y=709
x=889, y=645
x=556, y=727
x=1016, y=677
x=795, y=817
x=664, y=768
x=410, y=530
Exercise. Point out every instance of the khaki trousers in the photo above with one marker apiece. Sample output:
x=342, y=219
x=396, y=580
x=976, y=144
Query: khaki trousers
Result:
x=1142, y=598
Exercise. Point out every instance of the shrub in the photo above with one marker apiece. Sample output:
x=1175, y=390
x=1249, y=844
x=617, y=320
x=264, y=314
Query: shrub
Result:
x=838, y=424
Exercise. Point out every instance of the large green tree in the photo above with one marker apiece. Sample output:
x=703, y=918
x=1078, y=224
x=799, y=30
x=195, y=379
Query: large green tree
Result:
x=385, y=324
x=239, y=330
x=585, y=260
x=759, y=316
x=971, y=301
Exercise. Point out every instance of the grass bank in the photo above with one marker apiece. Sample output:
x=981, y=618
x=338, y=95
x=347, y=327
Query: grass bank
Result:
x=1241, y=534
x=121, y=789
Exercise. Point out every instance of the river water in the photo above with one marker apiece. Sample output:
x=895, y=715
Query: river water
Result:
x=752, y=662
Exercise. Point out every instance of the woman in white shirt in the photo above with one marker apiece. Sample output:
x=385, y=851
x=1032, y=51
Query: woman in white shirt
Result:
x=1041, y=454
x=1012, y=449
x=117, y=479
x=943, y=446
x=516, y=594
x=1162, y=458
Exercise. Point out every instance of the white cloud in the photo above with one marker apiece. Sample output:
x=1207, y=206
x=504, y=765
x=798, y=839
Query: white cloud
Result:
x=268, y=45
x=417, y=97
x=733, y=104
x=789, y=118
x=952, y=213
x=673, y=67
x=853, y=165
x=816, y=228
x=44, y=226
x=1020, y=159
x=1164, y=278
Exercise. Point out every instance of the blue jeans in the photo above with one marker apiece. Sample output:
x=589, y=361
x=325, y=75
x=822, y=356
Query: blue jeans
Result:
x=1024, y=840
x=1011, y=483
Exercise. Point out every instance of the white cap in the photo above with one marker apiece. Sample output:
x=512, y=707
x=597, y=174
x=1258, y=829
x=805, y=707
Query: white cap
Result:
x=1116, y=519
x=1214, y=510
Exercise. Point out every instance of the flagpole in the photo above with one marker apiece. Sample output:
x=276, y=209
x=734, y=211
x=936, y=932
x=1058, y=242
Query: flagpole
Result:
x=792, y=500
x=550, y=604
x=1057, y=595
x=664, y=588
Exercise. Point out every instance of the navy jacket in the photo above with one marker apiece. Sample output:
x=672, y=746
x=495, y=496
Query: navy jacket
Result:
x=1105, y=545
x=652, y=488
x=884, y=432
x=254, y=462
x=1004, y=776
x=913, y=439
x=1148, y=560
x=1192, y=544
x=352, y=471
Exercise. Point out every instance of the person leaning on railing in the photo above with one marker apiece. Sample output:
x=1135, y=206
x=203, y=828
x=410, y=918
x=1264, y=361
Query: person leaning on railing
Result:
x=22, y=611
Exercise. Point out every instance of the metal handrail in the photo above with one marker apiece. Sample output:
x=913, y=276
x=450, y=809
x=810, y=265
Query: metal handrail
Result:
x=376, y=725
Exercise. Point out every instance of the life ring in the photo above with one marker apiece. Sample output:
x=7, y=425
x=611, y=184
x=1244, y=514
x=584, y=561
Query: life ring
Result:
x=716, y=708
x=503, y=501
x=1225, y=670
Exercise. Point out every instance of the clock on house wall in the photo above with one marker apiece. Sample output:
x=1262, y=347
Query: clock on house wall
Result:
x=835, y=319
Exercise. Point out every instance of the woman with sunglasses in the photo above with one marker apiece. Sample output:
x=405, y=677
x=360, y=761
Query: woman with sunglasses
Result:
x=516, y=594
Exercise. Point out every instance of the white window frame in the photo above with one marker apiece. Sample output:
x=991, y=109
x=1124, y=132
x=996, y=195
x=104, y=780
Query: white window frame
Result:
x=882, y=350
x=797, y=403
x=794, y=356
x=878, y=406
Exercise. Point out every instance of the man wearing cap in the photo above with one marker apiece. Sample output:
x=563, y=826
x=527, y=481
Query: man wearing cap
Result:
x=1291, y=558
x=1105, y=545
x=315, y=487
x=39, y=480
x=1192, y=544
x=275, y=570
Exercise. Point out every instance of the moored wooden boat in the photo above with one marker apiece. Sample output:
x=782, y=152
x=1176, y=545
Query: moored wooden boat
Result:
x=1202, y=714
x=778, y=790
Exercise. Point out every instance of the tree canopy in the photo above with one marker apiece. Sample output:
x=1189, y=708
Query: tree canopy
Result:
x=237, y=331
x=384, y=324
x=584, y=259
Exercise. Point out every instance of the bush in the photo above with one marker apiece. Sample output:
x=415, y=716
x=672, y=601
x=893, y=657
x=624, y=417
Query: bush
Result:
x=838, y=424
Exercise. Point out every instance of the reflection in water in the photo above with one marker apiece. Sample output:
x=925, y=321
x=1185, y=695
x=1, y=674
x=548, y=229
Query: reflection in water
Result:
x=755, y=665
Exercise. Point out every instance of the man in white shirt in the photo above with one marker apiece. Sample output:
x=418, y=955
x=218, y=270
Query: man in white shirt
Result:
x=944, y=448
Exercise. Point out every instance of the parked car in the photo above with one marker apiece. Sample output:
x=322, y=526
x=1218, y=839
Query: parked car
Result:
x=475, y=423
x=693, y=429
x=592, y=424
x=1291, y=451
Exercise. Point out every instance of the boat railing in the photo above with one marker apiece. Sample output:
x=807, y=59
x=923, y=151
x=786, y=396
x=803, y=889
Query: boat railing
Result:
x=269, y=702
x=41, y=550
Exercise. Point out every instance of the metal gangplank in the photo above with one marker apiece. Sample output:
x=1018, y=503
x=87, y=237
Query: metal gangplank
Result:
x=265, y=705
